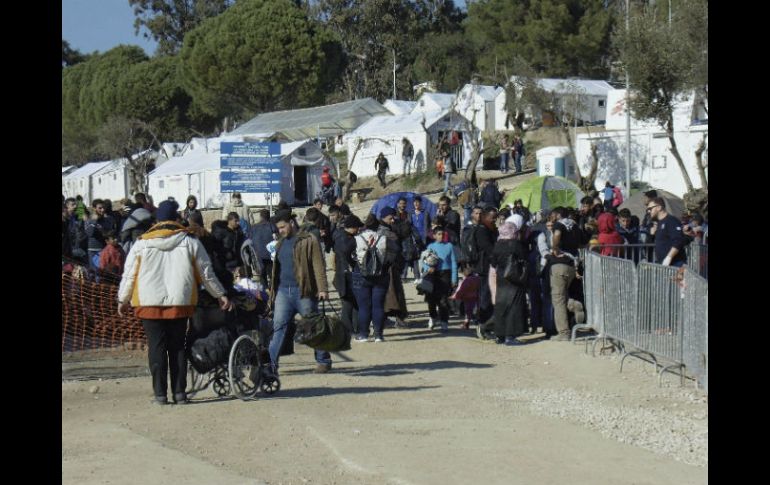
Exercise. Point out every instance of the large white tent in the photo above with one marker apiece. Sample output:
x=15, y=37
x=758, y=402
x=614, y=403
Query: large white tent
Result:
x=79, y=182
x=111, y=181
x=384, y=134
x=197, y=171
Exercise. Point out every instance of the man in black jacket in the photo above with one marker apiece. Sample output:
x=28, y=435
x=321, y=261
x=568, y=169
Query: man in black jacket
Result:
x=669, y=240
x=77, y=239
x=95, y=228
x=451, y=218
x=344, y=262
x=485, y=238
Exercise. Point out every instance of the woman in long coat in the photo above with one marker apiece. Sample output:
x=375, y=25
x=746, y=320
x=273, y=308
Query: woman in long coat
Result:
x=510, y=314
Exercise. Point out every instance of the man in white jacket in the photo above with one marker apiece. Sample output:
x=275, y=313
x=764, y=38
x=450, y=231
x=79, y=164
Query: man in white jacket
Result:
x=161, y=280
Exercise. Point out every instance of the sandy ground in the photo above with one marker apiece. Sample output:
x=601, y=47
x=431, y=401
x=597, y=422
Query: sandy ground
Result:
x=420, y=408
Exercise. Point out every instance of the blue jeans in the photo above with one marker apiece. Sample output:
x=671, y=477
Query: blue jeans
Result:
x=370, y=296
x=517, y=162
x=504, y=162
x=288, y=304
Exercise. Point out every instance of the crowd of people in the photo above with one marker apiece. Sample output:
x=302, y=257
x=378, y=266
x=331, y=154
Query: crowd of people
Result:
x=506, y=271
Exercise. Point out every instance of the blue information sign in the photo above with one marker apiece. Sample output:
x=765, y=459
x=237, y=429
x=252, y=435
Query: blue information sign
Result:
x=257, y=167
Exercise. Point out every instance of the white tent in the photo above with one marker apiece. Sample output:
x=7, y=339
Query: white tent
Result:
x=478, y=103
x=399, y=107
x=430, y=102
x=592, y=94
x=78, y=182
x=384, y=134
x=197, y=171
x=111, y=181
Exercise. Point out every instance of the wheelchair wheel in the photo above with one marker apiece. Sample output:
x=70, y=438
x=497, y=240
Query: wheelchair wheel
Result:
x=220, y=382
x=244, y=368
x=270, y=384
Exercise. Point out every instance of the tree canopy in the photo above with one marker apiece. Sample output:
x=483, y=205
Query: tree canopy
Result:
x=168, y=21
x=257, y=56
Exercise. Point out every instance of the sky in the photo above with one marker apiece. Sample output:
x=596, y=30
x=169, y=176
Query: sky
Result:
x=90, y=25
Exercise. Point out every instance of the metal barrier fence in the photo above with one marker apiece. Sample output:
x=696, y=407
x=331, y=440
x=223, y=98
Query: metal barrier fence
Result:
x=696, y=325
x=698, y=258
x=659, y=312
x=655, y=310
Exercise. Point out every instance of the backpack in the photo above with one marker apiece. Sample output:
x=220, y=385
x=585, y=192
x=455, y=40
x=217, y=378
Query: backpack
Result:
x=469, y=252
x=370, y=264
x=516, y=271
x=352, y=177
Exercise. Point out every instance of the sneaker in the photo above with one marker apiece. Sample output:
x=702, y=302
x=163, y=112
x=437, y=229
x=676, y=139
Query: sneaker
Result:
x=562, y=337
x=160, y=400
x=322, y=368
x=379, y=339
x=513, y=341
x=361, y=339
x=181, y=398
x=430, y=324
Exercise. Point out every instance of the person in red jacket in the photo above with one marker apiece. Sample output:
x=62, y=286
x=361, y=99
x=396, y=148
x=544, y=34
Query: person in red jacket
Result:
x=112, y=256
x=608, y=234
x=326, y=178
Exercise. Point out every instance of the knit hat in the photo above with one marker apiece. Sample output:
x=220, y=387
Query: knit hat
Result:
x=167, y=211
x=388, y=211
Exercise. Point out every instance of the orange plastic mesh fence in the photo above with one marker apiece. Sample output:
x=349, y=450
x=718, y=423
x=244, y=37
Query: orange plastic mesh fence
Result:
x=89, y=318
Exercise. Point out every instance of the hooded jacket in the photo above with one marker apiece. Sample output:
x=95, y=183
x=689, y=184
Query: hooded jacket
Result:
x=608, y=234
x=163, y=272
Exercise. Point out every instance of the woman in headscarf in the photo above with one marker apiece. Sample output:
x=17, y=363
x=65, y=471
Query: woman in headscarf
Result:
x=510, y=314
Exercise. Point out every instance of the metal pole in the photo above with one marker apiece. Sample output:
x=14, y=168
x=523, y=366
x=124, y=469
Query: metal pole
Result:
x=394, y=74
x=628, y=119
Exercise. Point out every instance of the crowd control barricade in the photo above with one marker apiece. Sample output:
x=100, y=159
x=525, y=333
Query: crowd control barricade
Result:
x=696, y=326
x=698, y=259
x=649, y=309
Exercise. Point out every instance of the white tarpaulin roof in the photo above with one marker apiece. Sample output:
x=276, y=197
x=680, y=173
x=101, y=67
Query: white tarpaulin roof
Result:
x=301, y=124
x=382, y=125
x=400, y=107
x=442, y=99
x=588, y=86
x=487, y=93
x=88, y=169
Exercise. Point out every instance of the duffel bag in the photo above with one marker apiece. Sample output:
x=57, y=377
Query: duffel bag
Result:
x=211, y=350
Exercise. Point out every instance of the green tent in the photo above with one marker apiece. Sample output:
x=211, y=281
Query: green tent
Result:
x=545, y=192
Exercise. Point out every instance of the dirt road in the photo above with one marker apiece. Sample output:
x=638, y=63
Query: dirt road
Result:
x=420, y=408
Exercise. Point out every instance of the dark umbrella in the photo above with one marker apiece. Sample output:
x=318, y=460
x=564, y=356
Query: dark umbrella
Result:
x=674, y=205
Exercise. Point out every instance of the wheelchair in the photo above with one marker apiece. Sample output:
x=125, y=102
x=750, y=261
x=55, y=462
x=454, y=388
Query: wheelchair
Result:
x=247, y=369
